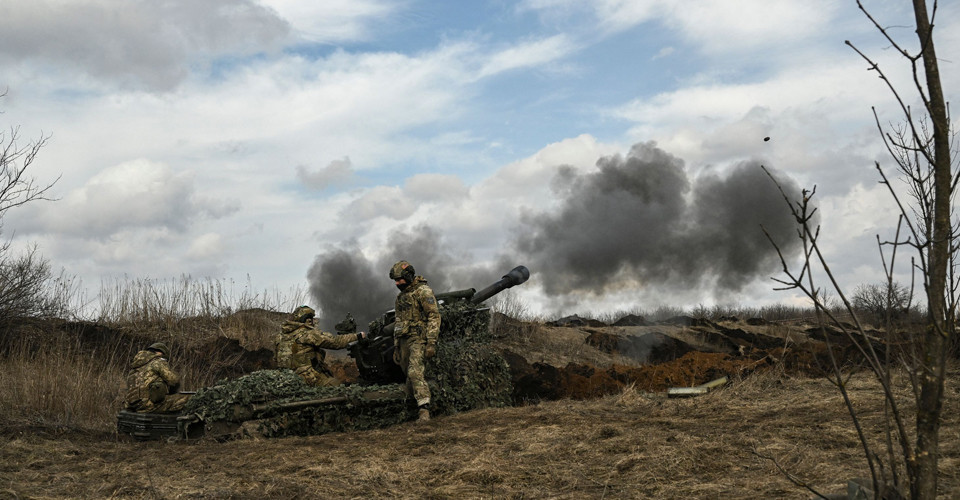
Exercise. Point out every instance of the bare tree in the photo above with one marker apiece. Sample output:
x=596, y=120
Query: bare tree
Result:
x=922, y=150
x=16, y=188
x=883, y=302
x=927, y=160
x=21, y=278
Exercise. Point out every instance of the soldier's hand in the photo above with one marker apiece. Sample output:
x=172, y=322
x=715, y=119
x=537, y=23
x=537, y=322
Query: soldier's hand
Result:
x=430, y=352
x=396, y=355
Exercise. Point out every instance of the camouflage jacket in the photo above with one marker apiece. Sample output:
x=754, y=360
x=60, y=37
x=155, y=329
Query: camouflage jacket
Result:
x=150, y=377
x=299, y=344
x=417, y=312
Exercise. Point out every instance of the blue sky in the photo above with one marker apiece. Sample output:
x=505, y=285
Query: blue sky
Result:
x=263, y=139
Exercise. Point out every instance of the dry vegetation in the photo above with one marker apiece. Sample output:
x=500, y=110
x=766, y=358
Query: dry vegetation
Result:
x=757, y=437
x=726, y=444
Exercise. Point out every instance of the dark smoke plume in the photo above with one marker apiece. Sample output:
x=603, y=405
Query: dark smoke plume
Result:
x=640, y=221
x=637, y=223
x=343, y=280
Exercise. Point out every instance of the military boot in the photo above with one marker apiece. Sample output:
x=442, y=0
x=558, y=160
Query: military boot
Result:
x=424, y=414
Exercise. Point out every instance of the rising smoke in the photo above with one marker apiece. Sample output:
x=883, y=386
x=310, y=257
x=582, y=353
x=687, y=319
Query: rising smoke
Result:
x=636, y=222
x=342, y=279
x=639, y=221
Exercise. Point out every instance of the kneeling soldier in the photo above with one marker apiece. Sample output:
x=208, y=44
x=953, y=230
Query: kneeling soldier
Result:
x=300, y=347
x=151, y=384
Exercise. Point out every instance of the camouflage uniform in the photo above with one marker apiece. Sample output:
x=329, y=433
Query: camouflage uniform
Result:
x=152, y=385
x=416, y=329
x=300, y=347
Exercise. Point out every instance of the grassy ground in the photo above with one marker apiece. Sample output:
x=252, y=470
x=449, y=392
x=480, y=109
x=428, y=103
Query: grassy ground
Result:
x=726, y=444
x=761, y=436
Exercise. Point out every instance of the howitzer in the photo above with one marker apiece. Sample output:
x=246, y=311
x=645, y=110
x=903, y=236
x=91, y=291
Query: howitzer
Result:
x=374, y=355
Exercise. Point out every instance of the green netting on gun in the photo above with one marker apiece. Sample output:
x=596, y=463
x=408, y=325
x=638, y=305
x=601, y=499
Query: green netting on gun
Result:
x=463, y=320
x=262, y=392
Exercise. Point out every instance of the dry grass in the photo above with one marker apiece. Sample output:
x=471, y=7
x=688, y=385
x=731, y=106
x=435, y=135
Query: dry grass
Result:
x=631, y=445
x=59, y=387
x=59, y=392
x=71, y=376
x=147, y=303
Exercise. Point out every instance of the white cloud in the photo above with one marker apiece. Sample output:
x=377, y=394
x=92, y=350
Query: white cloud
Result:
x=435, y=187
x=719, y=26
x=611, y=16
x=619, y=15
x=664, y=52
x=335, y=173
x=138, y=194
x=333, y=21
x=837, y=86
x=138, y=44
x=528, y=54
x=206, y=246
x=381, y=201
x=519, y=180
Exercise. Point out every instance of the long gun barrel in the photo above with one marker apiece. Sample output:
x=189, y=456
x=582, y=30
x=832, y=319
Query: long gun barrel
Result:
x=374, y=356
x=516, y=276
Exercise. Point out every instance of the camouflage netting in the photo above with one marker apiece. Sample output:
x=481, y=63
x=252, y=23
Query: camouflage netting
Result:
x=217, y=401
x=467, y=373
x=268, y=398
x=356, y=415
x=462, y=320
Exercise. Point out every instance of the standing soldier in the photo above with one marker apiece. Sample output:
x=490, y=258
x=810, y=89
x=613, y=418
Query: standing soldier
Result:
x=151, y=384
x=417, y=326
x=300, y=347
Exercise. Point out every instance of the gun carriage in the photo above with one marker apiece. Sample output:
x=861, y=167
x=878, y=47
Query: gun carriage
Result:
x=466, y=373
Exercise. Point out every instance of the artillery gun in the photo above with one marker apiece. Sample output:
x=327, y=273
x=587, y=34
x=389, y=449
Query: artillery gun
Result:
x=459, y=311
x=466, y=373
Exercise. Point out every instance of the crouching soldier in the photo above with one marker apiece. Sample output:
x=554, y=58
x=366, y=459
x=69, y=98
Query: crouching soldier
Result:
x=151, y=384
x=300, y=347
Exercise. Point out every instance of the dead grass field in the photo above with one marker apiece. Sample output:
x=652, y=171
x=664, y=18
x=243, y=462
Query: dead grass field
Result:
x=630, y=445
x=59, y=395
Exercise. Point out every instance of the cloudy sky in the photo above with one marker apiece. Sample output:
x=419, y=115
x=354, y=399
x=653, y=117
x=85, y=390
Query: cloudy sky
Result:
x=611, y=146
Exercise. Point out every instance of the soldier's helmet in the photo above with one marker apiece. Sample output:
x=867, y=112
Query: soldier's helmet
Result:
x=303, y=313
x=161, y=348
x=403, y=270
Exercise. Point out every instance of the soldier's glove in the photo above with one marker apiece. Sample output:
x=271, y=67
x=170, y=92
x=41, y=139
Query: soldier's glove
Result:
x=396, y=354
x=430, y=352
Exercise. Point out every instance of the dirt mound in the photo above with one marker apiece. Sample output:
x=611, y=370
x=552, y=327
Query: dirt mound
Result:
x=680, y=352
x=344, y=369
x=228, y=359
x=540, y=381
x=606, y=342
x=576, y=320
x=632, y=320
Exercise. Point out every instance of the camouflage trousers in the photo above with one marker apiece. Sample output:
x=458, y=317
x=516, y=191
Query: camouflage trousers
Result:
x=412, y=363
x=316, y=378
x=172, y=403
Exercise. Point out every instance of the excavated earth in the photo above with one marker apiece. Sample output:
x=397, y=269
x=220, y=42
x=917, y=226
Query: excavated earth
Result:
x=573, y=357
x=581, y=358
